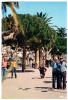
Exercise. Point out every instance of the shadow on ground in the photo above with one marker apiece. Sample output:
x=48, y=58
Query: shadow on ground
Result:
x=36, y=78
x=47, y=81
x=49, y=88
x=41, y=78
x=48, y=77
x=20, y=71
x=24, y=89
x=44, y=91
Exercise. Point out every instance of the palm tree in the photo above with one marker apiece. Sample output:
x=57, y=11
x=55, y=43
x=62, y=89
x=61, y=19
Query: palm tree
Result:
x=11, y=6
x=44, y=17
x=61, y=32
x=50, y=32
x=47, y=20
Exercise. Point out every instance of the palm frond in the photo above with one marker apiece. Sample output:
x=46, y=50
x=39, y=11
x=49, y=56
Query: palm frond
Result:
x=41, y=14
x=16, y=4
x=54, y=26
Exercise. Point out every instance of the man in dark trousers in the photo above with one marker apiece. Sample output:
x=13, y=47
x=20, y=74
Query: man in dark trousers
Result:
x=63, y=69
x=55, y=66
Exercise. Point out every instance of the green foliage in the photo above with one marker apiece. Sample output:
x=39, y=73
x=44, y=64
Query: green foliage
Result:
x=37, y=32
x=44, y=17
x=4, y=28
x=50, y=36
x=60, y=46
x=7, y=23
x=61, y=32
x=4, y=4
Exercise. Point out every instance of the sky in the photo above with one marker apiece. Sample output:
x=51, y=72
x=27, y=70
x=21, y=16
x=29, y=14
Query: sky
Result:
x=57, y=10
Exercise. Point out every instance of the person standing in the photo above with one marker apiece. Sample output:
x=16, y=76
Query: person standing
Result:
x=63, y=69
x=33, y=64
x=48, y=60
x=13, y=67
x=54, y=71
x=4, y=65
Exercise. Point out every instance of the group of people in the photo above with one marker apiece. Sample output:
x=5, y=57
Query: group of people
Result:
x=59, y=68
x=5, y=65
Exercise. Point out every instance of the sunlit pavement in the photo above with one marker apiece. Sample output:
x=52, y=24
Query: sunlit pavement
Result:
x=29, y=85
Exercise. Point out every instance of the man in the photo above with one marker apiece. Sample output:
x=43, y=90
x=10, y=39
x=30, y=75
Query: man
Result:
x=63, y=69
x=54, y=71
x=13, y=67
x=33, y=64
x=48, y=60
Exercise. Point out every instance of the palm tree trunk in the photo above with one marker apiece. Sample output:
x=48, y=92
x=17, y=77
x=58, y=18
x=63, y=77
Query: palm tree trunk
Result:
x=24, y=59
x=16, y=19
x=46, y=53
x=40, y=56
x=37, y=59
x=14, y=14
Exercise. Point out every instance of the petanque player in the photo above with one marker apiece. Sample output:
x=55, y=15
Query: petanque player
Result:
x=63, y=69
x=13, y=67
x=54, y=72
x=42, y=71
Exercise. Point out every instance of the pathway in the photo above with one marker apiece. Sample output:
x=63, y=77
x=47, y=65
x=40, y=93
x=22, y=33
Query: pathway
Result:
x=29, y=85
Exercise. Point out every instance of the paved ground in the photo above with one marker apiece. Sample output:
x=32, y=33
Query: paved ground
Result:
x=29, y=85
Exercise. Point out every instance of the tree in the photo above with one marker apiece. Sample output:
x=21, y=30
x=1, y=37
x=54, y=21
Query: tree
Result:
x=60, y=46
x=61, y=32
x=37, y=34
x=50, y=40
x=11, y=6
x=33, y=27
x=49, y=35
x=8, y=28
x=8, y=23
x=44, y=17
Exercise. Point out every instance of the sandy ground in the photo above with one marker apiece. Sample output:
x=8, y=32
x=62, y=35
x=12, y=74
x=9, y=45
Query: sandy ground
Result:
x=29, y=85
